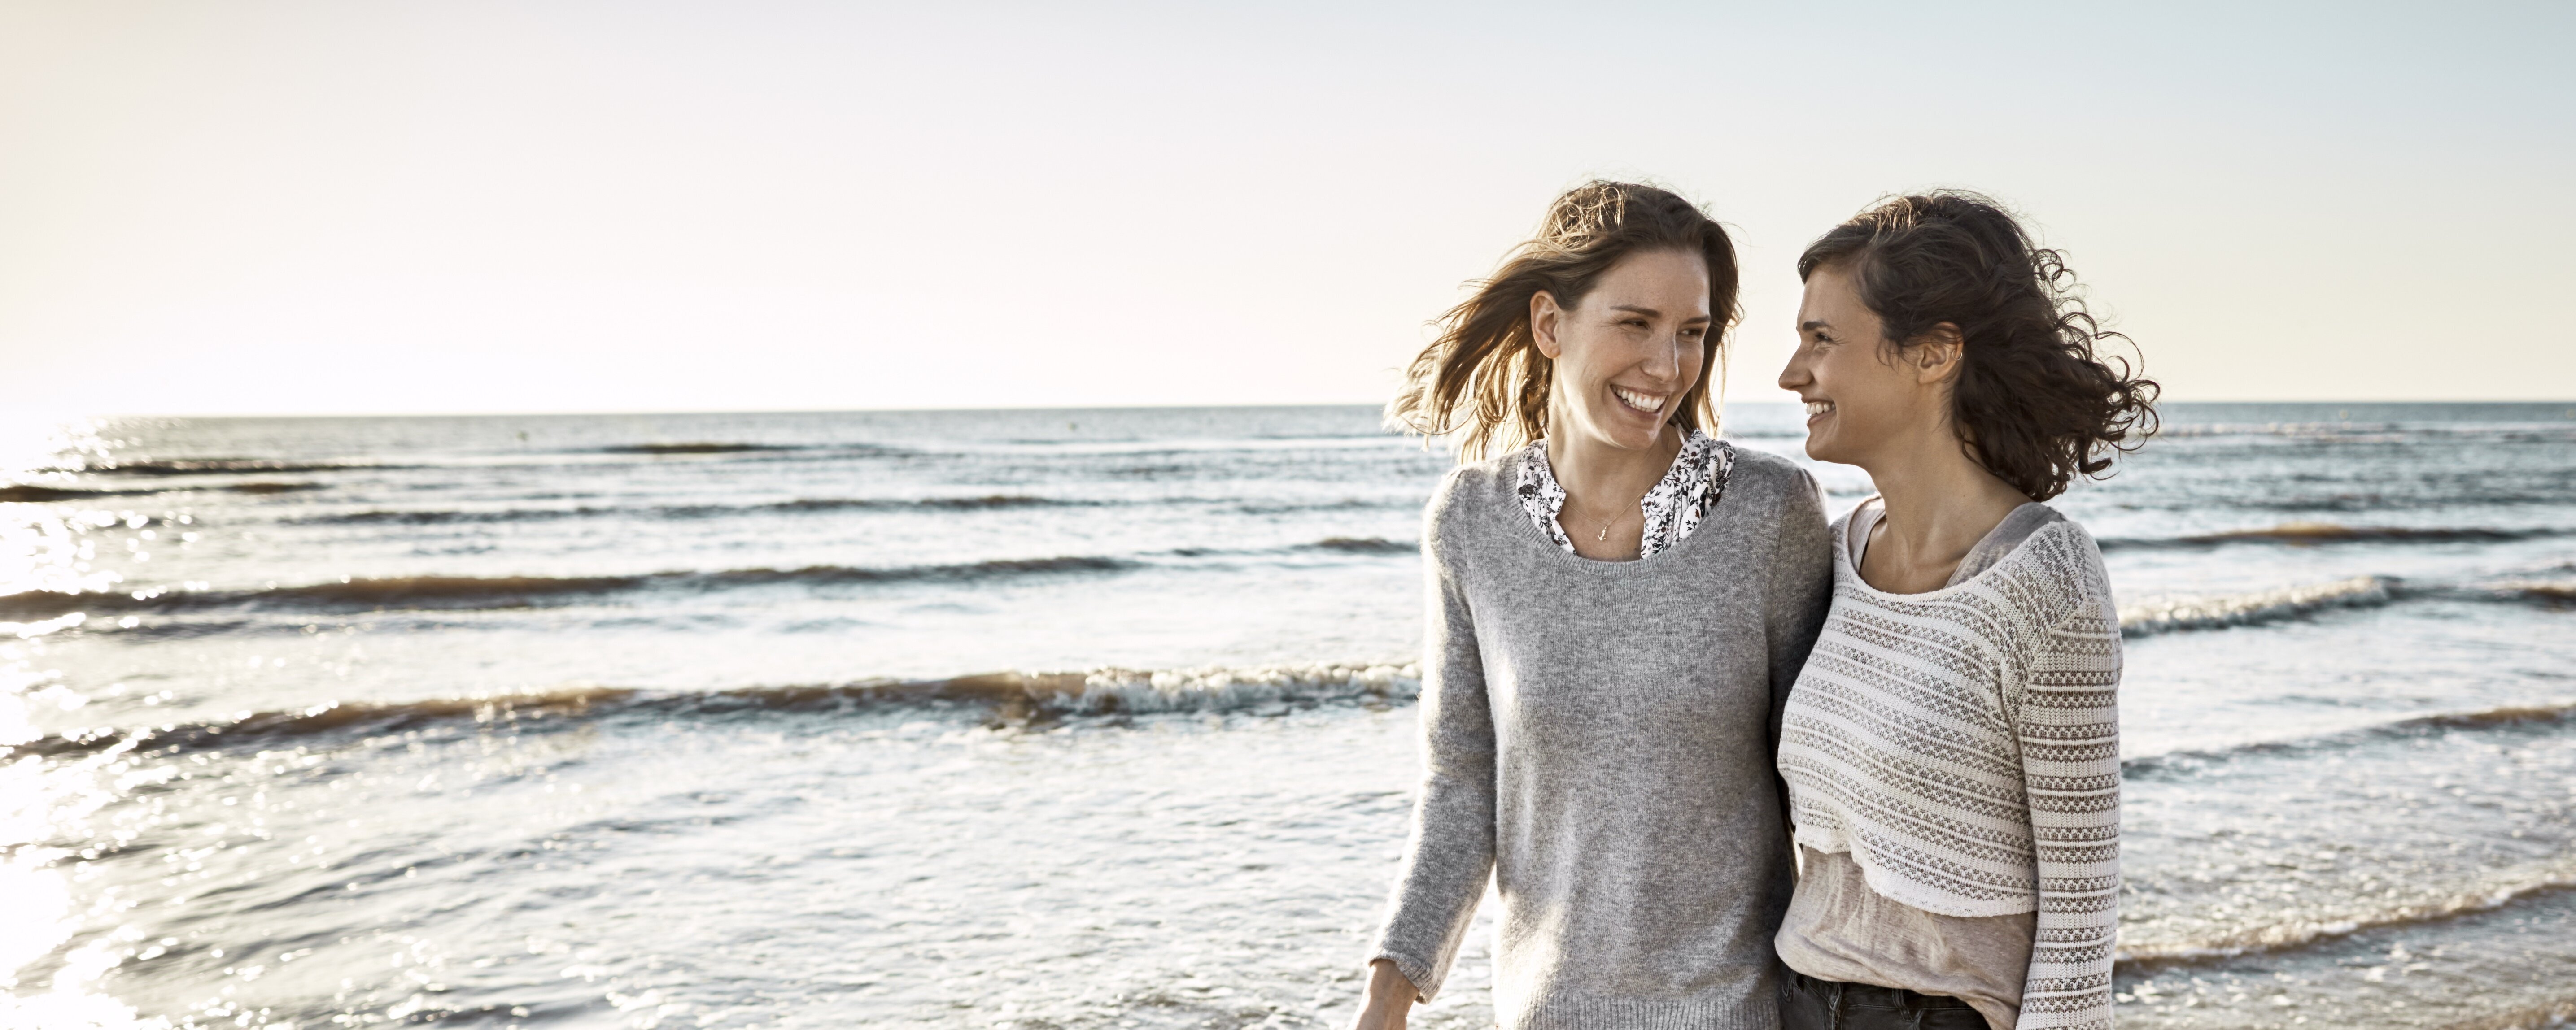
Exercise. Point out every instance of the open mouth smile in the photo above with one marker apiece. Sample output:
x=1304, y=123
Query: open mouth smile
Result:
x=1650, y=403
x=1819, y=409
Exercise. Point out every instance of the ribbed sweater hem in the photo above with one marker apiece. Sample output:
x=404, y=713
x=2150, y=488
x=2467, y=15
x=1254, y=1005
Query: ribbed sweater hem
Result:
x=1612, y=1014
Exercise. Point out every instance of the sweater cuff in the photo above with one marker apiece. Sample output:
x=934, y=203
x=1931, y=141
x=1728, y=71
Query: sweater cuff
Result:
x=1426, y=982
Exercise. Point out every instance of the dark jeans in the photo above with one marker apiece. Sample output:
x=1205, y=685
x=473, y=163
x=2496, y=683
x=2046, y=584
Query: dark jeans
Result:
x=1807, y=1003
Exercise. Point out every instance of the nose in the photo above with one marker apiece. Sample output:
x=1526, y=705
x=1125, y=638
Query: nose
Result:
x=1665, y=362
x=1794, y=374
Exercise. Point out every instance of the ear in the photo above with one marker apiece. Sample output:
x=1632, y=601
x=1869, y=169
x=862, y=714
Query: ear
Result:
x=1545, y=317
x=1942, y=352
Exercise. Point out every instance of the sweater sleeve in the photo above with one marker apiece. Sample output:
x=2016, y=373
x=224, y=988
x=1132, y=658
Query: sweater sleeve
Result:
x=1801, y=591
x=2068, y=723
x=1450, y=854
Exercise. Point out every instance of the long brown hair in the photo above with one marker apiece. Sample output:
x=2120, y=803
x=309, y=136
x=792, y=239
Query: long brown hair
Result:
x=2036, y=401
x=1484, y=381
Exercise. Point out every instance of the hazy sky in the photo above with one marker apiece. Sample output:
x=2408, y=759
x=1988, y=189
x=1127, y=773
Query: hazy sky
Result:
x=553, y=206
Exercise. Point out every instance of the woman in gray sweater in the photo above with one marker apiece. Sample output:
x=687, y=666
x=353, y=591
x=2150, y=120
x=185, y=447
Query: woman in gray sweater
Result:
x=1618, y=604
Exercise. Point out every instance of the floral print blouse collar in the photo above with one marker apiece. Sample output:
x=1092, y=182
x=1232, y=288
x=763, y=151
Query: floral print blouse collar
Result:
x=1673, y=508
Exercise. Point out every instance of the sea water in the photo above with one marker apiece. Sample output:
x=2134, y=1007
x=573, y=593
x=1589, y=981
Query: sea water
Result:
x=1104, y=718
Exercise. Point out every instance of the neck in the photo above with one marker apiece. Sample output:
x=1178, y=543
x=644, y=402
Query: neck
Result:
x=1601, y=477
x=1938, y=501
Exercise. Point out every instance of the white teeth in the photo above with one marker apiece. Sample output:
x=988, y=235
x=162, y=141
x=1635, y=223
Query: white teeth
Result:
x=1639, y=401
x=1815, y=408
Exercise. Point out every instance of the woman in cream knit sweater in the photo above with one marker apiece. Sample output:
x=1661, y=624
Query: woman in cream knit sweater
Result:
x=1952, y=745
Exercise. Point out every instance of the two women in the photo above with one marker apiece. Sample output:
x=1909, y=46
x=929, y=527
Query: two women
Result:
x=1620, y=604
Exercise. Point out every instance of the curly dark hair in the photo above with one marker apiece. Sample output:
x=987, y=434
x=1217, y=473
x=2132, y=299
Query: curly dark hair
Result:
x=1484, y=378
x=2036, y=402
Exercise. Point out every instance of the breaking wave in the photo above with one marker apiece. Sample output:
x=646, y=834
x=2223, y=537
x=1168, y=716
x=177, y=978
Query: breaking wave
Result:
x=1010, y=696
x=2298, y=534
x=524, y=591
x=694, y=448
x=31, y=494
x=2416, y=726
x=2189, y=613
x=2167, y=615
x=2495, y=892
x=222, y=466
x=1364, y=545
x=28, y=493
x=435, y=517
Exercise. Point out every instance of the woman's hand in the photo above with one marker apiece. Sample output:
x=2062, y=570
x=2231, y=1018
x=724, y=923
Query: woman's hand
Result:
x=1390, y=997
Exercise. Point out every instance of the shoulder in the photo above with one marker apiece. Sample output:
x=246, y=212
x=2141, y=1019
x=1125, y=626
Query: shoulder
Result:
x=1771, y=480
x=2062, y=563
x=1467, y=493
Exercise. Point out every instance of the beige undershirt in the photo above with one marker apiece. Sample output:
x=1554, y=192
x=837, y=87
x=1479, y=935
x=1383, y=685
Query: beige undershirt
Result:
x=1840, y=929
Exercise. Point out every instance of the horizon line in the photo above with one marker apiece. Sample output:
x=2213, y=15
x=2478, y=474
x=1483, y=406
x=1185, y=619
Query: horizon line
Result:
x=595, y=412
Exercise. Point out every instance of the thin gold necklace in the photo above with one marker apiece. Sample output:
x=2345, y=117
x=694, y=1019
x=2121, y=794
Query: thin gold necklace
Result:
x=1604, y=535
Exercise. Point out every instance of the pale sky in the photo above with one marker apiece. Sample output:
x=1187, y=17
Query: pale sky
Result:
x=460, y=206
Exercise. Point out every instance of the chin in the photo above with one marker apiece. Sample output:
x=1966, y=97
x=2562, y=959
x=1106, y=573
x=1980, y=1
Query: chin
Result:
x=1821, y=448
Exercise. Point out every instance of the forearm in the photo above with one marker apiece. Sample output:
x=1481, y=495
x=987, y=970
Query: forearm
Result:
x=1389, y=1000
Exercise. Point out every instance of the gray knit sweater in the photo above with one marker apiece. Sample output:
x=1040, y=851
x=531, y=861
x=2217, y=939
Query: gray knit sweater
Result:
x=1597, y=738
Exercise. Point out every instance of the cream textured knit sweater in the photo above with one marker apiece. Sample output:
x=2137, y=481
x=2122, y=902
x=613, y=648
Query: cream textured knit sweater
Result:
x=1963, y=747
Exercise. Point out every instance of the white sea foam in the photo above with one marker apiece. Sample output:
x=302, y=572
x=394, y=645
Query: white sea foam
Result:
x=2165, y=615
x=2488, y=892
x=1223, y=688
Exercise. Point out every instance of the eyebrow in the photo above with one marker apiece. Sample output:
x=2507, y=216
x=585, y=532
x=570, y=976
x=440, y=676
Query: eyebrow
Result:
x=1814, y=323
x=1652, y=313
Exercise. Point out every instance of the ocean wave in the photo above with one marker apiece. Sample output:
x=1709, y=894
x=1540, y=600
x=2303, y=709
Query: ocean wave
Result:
x=2301, y=534
x=2184, y=762
x=750, y=451
x=2543, y=1016
x=222, y=466
x=2190, y=613
x=1364, y=545
x=2338, y=430
x=696, y=448
x=524, y=591
x=440, y=516
x=2496, y=892
x=1008, y=696
x=2220, y=611
x=32, y=494
x=2549, y=592
x=2329, y=532
x=28, y=493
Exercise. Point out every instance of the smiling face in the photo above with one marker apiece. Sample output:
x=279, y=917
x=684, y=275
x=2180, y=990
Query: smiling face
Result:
x=1864, y=396
x=1627, y=351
